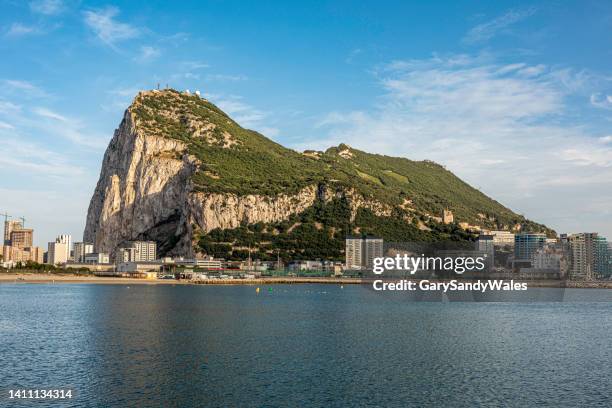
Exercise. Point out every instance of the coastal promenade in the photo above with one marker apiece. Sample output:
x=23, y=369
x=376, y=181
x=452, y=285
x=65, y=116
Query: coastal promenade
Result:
x=56, y=278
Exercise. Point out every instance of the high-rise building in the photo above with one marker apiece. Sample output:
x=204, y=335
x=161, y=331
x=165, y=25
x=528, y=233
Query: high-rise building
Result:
x=65, y=239
x=603, y=265
x=373, y=248
x=360, y=252
x=526, y=244
x=21, y=237
x=353, y=253
x=486, y=244
x=584, y=256
x=9, y=226
x=137, y=251
x=81, y=249
x=57, y=253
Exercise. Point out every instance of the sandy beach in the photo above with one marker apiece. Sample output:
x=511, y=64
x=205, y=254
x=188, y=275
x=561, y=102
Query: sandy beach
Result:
x=51, y=278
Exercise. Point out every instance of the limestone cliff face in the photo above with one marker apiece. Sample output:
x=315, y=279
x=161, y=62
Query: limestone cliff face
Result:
x=145, y=192
x=143, y=181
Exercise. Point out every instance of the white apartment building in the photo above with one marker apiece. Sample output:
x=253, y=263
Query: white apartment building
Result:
x=353, y=253
x=138, y=251
x=502, y=238
x=96, y=258
x=81, y=249
x=65, y=239
x=360, y=252
x=57, y=253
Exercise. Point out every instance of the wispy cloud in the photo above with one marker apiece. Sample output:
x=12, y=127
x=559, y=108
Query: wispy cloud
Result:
x=107, y=28
x=352, y=55
x=246, y=115
x=601, y=101
x=147, y=53
x=224, y=77
x=72, y=129
x=47, y=7
x=490, y=29
x=503, y=127
x=20, y=30
x=23, y=88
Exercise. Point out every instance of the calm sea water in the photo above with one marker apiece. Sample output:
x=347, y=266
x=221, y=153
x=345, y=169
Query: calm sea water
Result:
x=301, y=345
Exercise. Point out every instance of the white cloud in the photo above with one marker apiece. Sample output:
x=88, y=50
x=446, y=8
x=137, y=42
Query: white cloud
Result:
x=601, y=101
x=244, y=114
x=490, y=29
x=147, y=53
x=503, y=127
x=47, y=113
x=4, y=125
x=106, y=28
x=222, y=77
x=73, y=130
x=47, y=7
x=23, y=88
x=19, y=30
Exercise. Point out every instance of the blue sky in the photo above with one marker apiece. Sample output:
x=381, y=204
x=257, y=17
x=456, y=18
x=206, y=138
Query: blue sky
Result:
x=514, y=97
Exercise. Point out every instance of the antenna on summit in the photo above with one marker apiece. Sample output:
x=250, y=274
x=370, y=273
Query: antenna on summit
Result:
x=158, y=86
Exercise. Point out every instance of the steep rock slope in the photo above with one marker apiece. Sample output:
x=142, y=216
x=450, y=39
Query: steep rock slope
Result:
x=179, y=171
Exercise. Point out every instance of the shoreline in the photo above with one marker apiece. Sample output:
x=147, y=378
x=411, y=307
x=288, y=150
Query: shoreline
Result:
x=61, y=278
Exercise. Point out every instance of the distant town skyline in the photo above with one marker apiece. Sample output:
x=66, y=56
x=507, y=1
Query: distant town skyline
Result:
x=514, y=98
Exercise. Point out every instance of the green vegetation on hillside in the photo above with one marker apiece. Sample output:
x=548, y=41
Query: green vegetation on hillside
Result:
x=241, y=161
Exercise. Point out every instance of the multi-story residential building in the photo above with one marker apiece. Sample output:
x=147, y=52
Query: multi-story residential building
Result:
x=9, y=226
x=547, y=258
x=353, y=253
x=65, y=239
x=373, y=248
x=137, y=251
x=526, y=244
x=21, y=237
x=603, y=266
x=502, y=238
x=583, y=252
x=486, y=244
x=81, y=249
x=96, y=258
x=57, y=253
x=360, y=252
x=36, y=254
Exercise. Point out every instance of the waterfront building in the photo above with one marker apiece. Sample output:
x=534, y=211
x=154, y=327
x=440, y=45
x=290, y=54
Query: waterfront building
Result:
x=57, y=253
x=138, y=251
x=502, y=238
x=360, y=252
x=547, y=258
x=37, y=254
x=353, y=253
x=65, y=239
x=526, y=244
x=603, y=265
x=9, y=226
x=209, y=263
x=21, y=237
x=584, y=255
x=80, y=250
x=373, y=249
x=96, y=258
x=306, y=266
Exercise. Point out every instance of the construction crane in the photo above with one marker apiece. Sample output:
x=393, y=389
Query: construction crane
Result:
x=7, y=217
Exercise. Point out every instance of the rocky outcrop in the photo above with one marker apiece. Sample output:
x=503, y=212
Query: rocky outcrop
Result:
x=145, y=193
